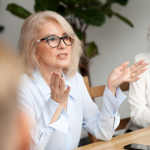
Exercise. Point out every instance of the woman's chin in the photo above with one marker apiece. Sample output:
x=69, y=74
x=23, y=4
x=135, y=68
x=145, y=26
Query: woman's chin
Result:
x=64, y=65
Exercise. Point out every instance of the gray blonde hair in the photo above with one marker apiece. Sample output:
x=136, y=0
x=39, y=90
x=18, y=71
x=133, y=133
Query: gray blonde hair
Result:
x=28, y=42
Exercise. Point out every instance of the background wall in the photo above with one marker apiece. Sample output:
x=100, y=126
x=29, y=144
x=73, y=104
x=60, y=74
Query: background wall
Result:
x=12, y=23
x=117, y=41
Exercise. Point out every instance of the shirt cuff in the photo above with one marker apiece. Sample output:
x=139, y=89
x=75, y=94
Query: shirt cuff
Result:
x=112, y=103
x=48, y=111
x=120, y=96
x=62, y=123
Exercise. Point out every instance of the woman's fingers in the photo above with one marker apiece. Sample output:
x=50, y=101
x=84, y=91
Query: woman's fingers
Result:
x=137, y=64
x=122, y=66
x=57, y=82
x=67, y=90
x=58, y=92
x=62, y=86
x=62, y=83
x=134, y=79
x=52, y=80
x=137, y=67
x=133, y=75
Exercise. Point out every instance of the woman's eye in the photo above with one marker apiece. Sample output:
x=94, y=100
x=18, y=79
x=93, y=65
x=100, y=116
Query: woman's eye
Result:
x=66, y=37
x=52, y=39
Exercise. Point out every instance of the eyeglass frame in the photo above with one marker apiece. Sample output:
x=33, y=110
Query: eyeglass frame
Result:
x=61, y=38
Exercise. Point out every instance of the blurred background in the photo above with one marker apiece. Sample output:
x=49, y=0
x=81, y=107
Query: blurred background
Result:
x=116, y=39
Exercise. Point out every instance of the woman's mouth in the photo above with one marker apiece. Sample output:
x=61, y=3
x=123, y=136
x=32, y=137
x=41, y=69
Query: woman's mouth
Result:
x=62, y=56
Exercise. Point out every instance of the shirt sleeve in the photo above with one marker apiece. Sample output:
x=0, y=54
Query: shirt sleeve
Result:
x=139, y=111
x=40, y=129
x=102, y=125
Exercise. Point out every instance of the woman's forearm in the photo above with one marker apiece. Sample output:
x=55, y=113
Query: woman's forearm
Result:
x=57, y=113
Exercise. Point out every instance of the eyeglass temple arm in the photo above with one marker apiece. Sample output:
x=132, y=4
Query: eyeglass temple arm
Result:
x=41, y=40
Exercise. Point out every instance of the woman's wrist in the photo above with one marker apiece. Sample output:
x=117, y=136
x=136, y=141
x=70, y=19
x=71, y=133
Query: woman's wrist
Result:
x=62, y=103
x=111, y=88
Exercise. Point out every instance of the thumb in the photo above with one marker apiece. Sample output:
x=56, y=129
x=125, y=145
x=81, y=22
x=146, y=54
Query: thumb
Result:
x=122, y=66
x=67, y=90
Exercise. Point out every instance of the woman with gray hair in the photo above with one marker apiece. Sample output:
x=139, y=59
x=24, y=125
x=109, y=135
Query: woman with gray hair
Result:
x=53, y=93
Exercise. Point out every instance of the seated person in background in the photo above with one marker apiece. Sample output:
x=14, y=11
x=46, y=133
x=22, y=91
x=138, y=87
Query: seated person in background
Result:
x=139, y=98
x=53, y=93
x=13, y=131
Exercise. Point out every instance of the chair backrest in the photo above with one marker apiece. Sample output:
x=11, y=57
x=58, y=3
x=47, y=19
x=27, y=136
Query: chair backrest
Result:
x=97, y=92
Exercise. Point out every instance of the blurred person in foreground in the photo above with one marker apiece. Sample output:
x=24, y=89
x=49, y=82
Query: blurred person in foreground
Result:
x=13, y=125
x=139, y=97
x=53, y=93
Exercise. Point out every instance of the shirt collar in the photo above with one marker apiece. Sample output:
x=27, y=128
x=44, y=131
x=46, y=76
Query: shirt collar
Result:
x=44, y=88
x=68, y=83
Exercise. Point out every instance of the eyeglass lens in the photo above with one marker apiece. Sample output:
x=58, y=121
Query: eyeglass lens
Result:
x=54, y=41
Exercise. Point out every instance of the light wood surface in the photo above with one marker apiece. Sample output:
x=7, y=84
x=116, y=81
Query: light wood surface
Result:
x=141, y=136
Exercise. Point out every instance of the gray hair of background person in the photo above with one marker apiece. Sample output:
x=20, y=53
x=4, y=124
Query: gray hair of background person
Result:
x=29, y=37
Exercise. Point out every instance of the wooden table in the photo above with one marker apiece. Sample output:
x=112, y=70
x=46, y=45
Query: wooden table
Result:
x=141, y=136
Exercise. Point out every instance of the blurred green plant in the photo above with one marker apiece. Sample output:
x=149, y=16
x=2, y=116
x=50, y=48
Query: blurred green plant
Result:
x=80, y=14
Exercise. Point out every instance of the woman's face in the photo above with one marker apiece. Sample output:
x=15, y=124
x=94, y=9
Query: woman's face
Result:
x=54, y=58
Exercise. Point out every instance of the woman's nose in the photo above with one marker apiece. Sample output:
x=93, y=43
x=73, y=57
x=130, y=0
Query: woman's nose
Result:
x=62, y=44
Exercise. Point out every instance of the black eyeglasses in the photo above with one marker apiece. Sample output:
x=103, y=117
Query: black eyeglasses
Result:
x=54, y=41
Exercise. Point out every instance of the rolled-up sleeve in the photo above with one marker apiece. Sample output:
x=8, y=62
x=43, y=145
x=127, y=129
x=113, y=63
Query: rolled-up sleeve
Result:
x=102, y=125
x=47, y=114
x=111, y=103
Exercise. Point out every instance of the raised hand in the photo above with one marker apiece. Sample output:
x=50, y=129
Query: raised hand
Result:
x=123, y=74
x=58, y=91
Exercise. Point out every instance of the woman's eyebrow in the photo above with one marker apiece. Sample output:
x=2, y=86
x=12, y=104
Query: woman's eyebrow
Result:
x=55, y=34
x=50, y=35
x=64, y=33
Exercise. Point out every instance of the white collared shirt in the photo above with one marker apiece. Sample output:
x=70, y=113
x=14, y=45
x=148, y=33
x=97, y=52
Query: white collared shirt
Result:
x=139, y=97
x=64, y=134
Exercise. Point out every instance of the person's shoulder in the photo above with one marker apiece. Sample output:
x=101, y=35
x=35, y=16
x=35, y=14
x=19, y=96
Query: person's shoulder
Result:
x=24, y=77
x=78, y=76
x=141, y=56
x=25, y=80
x=77, y=79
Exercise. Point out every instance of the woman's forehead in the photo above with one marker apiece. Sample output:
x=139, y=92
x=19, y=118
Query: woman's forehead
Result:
x=52, y=28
